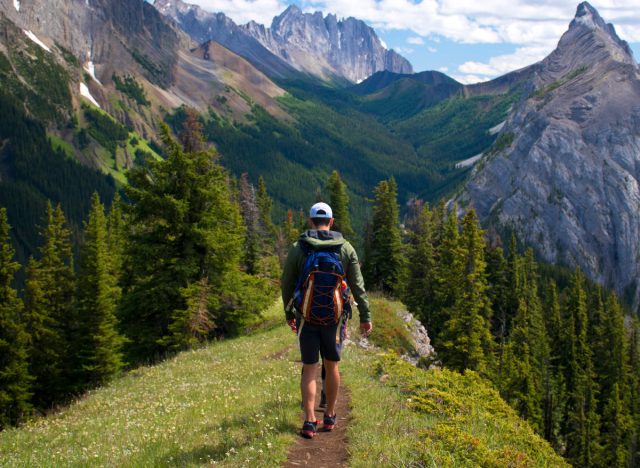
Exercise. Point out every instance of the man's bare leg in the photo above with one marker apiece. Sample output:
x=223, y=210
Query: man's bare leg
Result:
x=332, y=384
x=308, y=387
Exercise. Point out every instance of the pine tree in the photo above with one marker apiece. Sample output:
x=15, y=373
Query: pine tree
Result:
x=555, y=394
x=98, y=344
x=527, y=355
x=15, y=380
x=633, y=361
x=581, y=417
x=419, y=294
x=287, y=235
x=466, y=340
x=510, y=303
x=116, y=240
x=303, y=221
x=385, y=267
x=339, y=201
x=49, y=300
x=186, y=238
x=609, y=345
x=616, y=431
x=448, y=269
x=265, y=206
x=251, y=216
x=608, y=342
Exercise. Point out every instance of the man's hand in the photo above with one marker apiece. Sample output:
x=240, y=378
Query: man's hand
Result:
x=365, y=329
x=292, y=325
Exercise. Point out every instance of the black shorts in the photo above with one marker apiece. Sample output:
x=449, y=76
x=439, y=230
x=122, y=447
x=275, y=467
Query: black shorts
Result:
x=324, y=340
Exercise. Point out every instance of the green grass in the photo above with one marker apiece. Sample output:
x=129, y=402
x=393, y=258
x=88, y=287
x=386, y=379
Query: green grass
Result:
x=231, y=403
x=142, y=144
x=235, y=403
x=406, y=416
x=58, y=143
x=391, y=333
x=545, y=90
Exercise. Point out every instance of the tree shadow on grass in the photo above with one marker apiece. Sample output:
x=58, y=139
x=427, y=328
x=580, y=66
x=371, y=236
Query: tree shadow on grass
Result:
x=232, y=433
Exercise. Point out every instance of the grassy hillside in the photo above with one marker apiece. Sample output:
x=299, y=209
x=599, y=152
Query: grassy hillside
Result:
x=236, y=403
x=406, y=416
x=366, y=138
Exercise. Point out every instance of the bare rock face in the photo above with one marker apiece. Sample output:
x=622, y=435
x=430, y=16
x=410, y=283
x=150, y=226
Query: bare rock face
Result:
x=308, y=43
x=203, y=26
x=103, y=32
x=323, y=45
x=131, y=37
x=565, y=170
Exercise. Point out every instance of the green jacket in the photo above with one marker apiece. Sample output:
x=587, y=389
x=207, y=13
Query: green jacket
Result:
x=348, y=257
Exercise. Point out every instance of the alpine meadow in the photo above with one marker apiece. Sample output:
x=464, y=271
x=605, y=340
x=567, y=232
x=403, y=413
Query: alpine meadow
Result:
x=158, y=162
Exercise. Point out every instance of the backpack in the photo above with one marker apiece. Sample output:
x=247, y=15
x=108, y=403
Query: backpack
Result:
x=321, y=294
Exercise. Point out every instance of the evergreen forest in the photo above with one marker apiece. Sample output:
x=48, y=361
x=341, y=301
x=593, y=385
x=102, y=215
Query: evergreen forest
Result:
x=190, y=253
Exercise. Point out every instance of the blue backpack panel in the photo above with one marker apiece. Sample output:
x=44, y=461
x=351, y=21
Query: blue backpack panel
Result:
x=321, y=294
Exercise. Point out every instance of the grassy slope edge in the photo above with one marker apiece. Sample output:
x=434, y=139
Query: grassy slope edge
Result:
x=236, y=403
x=406, y=416
x=233, y=403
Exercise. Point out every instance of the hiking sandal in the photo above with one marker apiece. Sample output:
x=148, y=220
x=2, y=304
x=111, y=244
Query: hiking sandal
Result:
x=329, y=422
x=309, y=429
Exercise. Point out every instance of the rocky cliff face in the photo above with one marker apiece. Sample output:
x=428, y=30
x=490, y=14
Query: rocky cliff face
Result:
x=132, y=37
x=565, y=170
x=203, y=26
x=309, y=43
x=324, y=46
x=104, y=34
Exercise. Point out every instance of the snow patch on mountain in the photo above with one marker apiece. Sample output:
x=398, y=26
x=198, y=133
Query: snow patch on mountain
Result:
x=90, y=68
x=16, y=5
x=35, y=39
x=497, y=128
x=84, y=92
x=469, y=162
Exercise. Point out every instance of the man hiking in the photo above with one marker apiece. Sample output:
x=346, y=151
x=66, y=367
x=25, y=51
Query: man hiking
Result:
x=320, y=270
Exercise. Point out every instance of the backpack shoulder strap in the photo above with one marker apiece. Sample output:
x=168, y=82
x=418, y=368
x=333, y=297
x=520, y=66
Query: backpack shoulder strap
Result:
x=306, y=248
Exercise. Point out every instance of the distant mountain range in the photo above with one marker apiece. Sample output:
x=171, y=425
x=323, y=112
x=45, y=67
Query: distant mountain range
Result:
x=308, y=43
x=550, y=151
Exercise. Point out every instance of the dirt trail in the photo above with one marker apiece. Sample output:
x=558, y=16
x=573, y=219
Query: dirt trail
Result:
x=326, y=449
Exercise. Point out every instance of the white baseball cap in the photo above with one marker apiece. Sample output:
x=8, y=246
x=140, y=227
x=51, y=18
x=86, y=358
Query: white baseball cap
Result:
x=320, y=210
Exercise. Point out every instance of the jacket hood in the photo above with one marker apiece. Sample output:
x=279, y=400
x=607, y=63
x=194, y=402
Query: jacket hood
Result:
x=318, y=239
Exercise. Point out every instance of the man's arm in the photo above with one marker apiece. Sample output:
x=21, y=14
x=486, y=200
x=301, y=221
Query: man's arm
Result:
x=289, y=278
x=356, y=283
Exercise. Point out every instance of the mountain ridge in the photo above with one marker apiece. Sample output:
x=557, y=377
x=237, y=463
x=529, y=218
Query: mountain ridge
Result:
x=565, y=176
x=311, y=44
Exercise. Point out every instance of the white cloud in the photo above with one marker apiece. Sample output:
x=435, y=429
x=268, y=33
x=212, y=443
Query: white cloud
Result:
x=404, y=50
x=433, y=50
x=243, y=11
x=469, y=79
x=470, y=21
x=533, y=26
x=466, y=21
x=502, y=64
x=443, y=69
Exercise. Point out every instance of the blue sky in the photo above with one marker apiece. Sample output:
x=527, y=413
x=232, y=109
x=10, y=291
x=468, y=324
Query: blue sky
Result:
x=469, y=40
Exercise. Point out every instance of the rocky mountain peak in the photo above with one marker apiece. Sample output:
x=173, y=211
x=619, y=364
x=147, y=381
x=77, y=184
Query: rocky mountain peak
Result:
x=326, y=47
x=591, y=38
x=296, y=41
x=586, y=14
x=564, y=172
x=291, y=11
